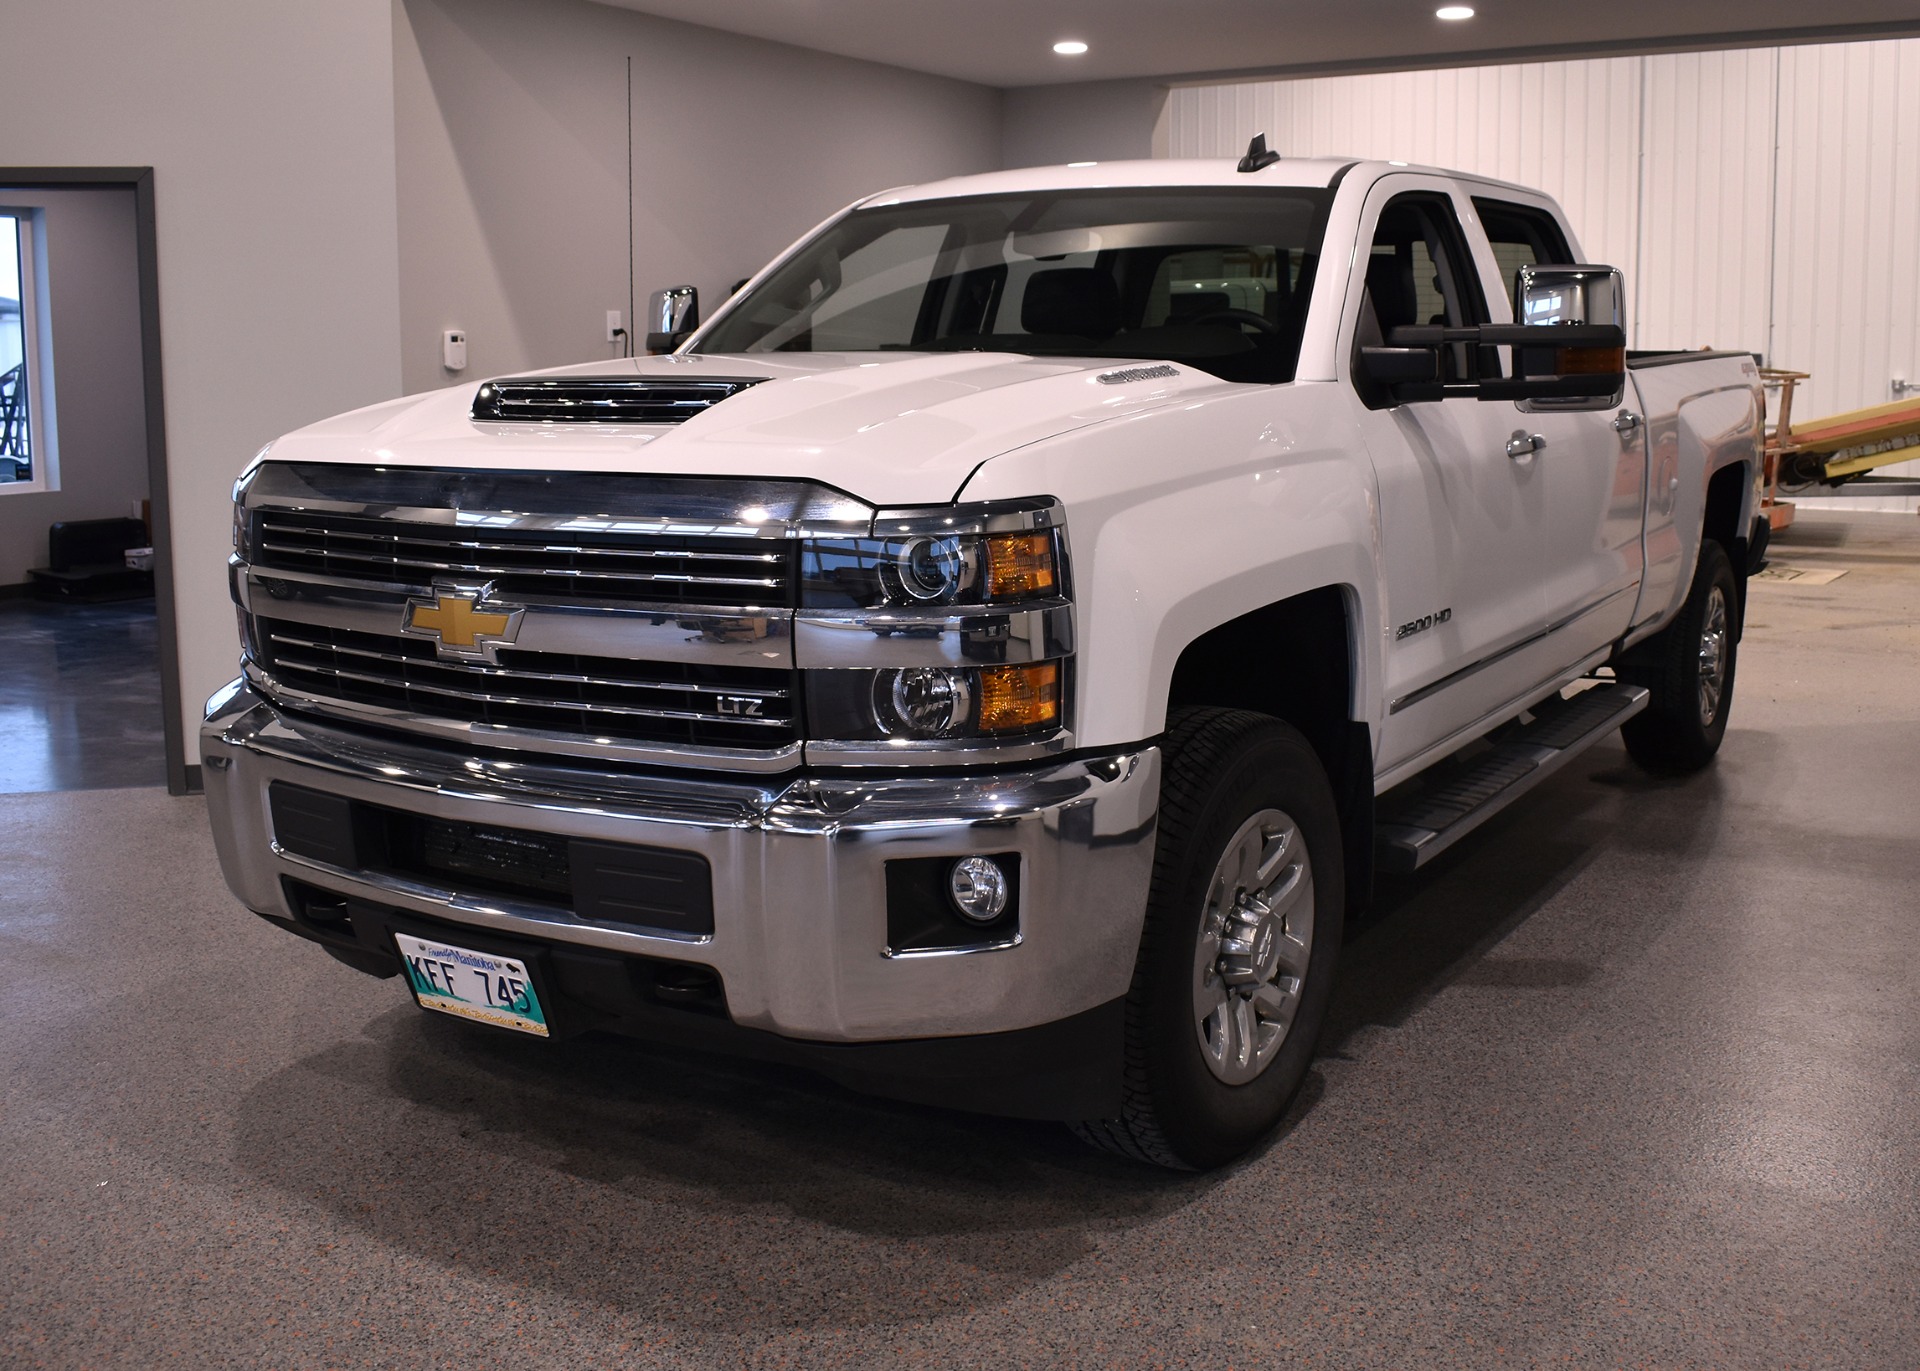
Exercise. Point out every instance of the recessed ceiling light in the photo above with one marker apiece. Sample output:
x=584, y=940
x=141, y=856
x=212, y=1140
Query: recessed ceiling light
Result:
x=1454, y=12
x=1070, y=47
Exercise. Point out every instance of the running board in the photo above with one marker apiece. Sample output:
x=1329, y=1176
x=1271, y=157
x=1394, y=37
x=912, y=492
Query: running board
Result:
x=1414, y=832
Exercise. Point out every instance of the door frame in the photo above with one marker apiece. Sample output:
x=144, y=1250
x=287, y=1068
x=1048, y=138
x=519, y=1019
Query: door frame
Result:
x=181, y=778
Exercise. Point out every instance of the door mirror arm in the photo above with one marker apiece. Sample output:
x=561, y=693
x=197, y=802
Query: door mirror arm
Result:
x=1561, y=361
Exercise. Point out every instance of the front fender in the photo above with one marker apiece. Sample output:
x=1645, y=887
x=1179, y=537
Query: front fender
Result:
x=1180, y=520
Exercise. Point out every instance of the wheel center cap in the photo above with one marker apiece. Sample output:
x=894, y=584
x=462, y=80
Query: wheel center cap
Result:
x=1250, y=944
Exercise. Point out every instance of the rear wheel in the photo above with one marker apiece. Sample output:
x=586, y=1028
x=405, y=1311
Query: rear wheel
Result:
x=1242, y=932
x=1689, y=670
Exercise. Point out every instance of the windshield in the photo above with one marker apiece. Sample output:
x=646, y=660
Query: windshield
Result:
x=1217, y=279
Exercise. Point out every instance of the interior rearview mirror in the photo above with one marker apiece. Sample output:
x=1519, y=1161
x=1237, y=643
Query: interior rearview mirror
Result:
x=672, y=316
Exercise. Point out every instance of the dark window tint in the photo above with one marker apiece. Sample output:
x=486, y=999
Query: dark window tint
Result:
x=1218, y=279
x=1522, y=236
x=1418, y=272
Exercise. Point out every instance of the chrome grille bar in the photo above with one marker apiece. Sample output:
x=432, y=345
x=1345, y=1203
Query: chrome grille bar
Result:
x=601, y=566
x=560, y=678
x=280, y=525
x=670, y=703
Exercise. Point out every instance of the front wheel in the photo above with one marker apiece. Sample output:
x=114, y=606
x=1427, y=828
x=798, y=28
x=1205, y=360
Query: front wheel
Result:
x=1242, y=932
x=1688, y=668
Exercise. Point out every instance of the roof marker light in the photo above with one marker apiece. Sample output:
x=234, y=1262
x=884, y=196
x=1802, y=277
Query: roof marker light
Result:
x=1069, y=47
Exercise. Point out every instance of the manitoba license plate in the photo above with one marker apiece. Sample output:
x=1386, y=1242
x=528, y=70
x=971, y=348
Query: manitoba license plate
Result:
x=474, y=985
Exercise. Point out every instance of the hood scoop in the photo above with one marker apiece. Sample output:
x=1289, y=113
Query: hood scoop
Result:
x=604, y=399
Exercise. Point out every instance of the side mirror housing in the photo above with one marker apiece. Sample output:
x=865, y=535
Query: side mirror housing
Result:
x=1558, y=298
x=1569, y=354
x=672, y=316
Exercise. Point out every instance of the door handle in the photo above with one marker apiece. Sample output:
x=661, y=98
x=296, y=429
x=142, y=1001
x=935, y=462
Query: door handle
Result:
x=1625, y=422
x=1523, y=443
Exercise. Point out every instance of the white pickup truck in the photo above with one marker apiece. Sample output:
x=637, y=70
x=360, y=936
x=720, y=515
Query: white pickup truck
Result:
x=989, y=659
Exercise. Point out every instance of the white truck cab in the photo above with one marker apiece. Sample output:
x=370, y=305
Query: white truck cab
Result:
x=988, y=659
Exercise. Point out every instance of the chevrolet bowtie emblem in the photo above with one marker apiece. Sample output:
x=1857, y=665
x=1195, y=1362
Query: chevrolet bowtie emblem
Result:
x=466, y=625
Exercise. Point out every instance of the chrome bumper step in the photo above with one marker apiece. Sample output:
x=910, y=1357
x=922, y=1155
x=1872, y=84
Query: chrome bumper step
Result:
x=1415, y=830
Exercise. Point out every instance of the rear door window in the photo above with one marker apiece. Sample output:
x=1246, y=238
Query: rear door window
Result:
x=1522, y=236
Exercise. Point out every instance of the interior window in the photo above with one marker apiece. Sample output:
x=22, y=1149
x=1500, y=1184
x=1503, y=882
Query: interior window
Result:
x=1418, y=272
x=1522, y=236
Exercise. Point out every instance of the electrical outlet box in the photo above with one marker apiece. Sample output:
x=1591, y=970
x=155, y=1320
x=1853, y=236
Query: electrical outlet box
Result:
x=453, y=349
x=614, y=331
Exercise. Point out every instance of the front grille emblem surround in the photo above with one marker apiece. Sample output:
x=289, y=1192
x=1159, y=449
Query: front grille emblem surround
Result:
x=464, y=622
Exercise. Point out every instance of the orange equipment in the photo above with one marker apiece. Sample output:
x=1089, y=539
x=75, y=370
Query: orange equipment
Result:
x=1835, y=450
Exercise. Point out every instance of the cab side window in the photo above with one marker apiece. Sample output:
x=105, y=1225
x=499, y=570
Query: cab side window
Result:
x=1418, y=272
x=1522, y=236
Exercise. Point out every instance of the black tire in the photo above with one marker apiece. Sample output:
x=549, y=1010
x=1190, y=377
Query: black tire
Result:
x=1223, y=771
x=1679, y=732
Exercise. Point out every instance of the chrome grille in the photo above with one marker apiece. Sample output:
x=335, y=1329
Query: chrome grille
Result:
x=572, y=564
x=678, y=703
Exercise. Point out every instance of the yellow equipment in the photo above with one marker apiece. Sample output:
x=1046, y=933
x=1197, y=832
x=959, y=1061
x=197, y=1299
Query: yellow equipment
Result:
x=1834, y=450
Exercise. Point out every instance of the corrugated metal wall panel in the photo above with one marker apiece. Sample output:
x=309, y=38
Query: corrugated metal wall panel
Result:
x=1667, y=166
x=1570, y=128
x=1847, y=264
x=1706, y=222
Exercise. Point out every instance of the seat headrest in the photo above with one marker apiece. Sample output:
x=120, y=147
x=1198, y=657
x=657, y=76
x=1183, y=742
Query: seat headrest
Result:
x=1390, y=283
x=1081, y=302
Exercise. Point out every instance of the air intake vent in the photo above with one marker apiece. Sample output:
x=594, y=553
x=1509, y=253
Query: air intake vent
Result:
x=604, y=399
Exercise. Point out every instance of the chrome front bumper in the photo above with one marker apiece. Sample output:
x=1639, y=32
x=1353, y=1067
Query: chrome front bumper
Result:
x=799, y=890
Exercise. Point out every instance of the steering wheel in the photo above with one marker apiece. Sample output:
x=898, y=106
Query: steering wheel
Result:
x=1236, y=316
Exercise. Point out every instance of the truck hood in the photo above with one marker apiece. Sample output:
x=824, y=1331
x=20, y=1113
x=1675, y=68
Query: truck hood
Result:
x=892, y=429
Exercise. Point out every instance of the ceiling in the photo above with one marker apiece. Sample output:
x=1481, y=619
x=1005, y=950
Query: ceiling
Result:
x=1009, y=42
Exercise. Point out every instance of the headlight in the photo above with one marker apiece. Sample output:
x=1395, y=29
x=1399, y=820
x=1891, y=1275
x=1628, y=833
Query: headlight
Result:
x=932, y=703
x=931, y=570
x=942, y=627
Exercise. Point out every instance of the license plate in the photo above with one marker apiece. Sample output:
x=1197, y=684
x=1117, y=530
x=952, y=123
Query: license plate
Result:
x=473, y=985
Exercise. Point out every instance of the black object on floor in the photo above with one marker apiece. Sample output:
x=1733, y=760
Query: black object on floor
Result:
x=86, y=560
x=79, y=696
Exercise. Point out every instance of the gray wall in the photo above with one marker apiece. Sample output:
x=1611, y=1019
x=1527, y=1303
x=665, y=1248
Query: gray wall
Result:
x=269, y=125
x=1093, y=121
x=512, y=159
x=93, y=299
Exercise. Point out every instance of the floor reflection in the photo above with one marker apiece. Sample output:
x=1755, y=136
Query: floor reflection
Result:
x=79, y=696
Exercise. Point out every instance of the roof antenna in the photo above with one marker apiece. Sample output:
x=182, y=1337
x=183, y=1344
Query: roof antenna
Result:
x=1257, y=155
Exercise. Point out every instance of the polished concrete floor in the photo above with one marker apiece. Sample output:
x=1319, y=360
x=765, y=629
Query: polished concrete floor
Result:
x=1632, y=1078
x=79, y=696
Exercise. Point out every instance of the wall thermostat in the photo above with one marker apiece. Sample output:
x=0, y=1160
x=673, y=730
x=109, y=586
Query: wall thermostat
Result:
x=453, y=349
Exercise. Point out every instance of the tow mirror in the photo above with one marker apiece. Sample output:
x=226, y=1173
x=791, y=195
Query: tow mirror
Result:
x=1560, y=298
x=1570, y=353
x=672, y=316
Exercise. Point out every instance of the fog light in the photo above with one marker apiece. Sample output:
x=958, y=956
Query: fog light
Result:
x=922, y=702
x=979, y=889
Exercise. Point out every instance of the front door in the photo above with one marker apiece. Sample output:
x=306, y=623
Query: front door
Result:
x=1461, y=526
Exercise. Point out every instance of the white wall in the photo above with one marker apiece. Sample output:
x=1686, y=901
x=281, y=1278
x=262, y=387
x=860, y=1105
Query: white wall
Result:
x=269, y=125
x=512, y=154
x=1667, y=167
x=93, y=298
